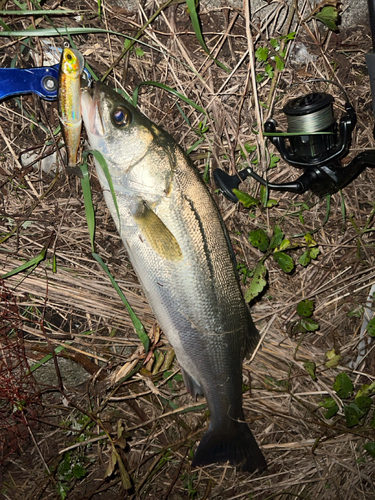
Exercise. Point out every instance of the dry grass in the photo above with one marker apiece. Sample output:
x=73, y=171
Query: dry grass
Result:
x=309, y=457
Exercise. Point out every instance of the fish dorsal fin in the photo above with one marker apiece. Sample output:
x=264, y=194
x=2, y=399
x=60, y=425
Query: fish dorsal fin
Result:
x=156, y=233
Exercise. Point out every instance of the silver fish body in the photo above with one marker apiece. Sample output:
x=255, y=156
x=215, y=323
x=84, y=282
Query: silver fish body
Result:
x=178, y=246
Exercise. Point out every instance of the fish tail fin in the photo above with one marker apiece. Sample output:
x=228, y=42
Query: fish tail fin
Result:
x=236, y=445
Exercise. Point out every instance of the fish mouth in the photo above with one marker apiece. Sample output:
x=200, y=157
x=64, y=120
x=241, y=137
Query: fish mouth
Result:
x=91, y=112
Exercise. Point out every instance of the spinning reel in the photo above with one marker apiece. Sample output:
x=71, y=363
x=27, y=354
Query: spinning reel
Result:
x=316, y=144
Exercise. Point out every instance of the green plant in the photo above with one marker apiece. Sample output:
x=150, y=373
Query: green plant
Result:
x=70, y=469
x=272, y=56
x=276, y=247
x=305, y=310
x=355, y=406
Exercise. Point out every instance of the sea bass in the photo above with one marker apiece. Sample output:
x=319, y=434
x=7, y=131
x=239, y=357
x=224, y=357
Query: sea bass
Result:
x=69, y=101
x=179, y=248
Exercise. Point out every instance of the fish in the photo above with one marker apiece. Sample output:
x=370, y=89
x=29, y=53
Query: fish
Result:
x=69, y=103
x=179, y=247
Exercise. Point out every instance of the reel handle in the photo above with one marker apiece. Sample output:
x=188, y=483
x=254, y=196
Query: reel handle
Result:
x=226, y=183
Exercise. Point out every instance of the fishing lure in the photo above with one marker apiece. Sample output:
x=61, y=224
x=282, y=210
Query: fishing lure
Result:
x=69, y=101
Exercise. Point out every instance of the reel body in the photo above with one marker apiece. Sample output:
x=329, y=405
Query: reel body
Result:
x=315, y=143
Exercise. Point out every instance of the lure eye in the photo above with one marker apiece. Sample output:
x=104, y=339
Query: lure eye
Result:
x=121, y=116
x=69, y=56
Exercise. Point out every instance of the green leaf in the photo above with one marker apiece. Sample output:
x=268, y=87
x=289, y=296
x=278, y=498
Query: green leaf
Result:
x=331, y=406
x=280, y=65
x=100, y=158
x=168, y=89
x=363, y=402
x=262, y=54
x=310, y=242
x=285, y=261
x=305, y=258
x=309, y=325
x=271, y=203
x=333, y=358
x=372, y=423
x=352, y=414
x=89, y=207
x=259, y=239
x=314, y=252
x=274, y=160
x=32, y=263
x=305, y=308
x=244, y=198
x=138, y=326
x=269, y=72
x=78, y=471
x=371, y=327
x=257, y=283
x=343, y=385
x=191, y=5
x=264, y=195
x=284, y=245
x=139, y=52
x=328, y=16
x=370, y=448
x=366, y=390
x=275, y=43
x=310, y=367
x=277, y=237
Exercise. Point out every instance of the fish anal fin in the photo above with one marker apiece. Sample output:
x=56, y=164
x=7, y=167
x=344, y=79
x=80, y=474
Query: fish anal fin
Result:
x=192, y=385
x=156, y=233
x=235, y=444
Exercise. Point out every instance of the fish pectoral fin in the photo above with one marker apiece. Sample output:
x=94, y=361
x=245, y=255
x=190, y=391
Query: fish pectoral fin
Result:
x=192, y=385
x=157, y=234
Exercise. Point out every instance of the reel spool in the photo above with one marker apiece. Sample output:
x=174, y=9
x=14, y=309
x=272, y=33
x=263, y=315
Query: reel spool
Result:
x=316, y=144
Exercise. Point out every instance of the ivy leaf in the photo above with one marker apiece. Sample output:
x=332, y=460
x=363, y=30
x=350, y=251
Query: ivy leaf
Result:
x=370, y=448
x=343, y=385
x=328, y=16
x=305, y=258
x=244, y=198
x=277, y=237
x=257, y=283
x=259, y=239
x=371, y=327
x=363, y=402
x=309, y=324
x=331, y=406
x=314, y=252
x=285, y=261
x=352, y=414
x=305, y=308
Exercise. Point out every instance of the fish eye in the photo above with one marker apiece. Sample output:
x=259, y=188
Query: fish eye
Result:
x=121, y=116
x=69, y=56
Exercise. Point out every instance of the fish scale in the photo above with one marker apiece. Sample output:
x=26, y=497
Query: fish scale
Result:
x=178, y=246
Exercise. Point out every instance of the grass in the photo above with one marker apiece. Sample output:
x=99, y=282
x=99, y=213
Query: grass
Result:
x=69, y=309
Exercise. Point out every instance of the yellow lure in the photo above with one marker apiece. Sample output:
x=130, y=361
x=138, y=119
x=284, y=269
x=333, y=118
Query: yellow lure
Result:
x=69, y=101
